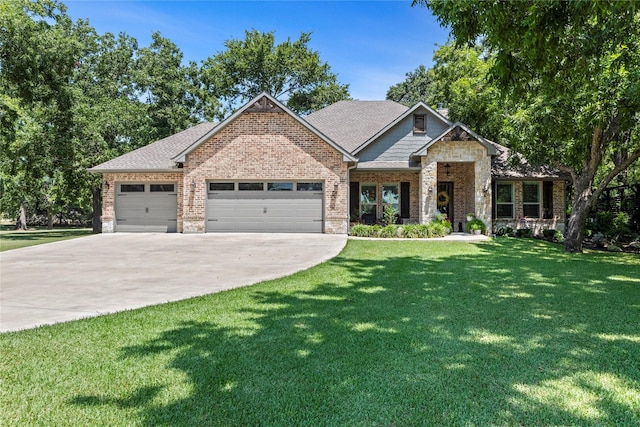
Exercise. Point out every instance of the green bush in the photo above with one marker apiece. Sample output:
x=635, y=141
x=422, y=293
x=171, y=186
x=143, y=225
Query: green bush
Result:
x=558, y=236
x=524, y=232
x=549, y=234
x=505, y=231
x=389, y=231
x=362, y=230
x=476, y=224
x=621, y=224
x=390, y=215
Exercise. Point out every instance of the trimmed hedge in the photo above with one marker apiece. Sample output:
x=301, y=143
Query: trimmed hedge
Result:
x=407, y=231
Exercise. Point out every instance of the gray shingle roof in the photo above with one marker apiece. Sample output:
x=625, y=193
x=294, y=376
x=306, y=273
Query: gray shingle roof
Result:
x=512, y=165
x=352, y=123
x=157, y=155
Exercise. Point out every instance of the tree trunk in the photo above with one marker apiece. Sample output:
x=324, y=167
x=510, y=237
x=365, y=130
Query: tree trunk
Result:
x=49, y=220
x=21, y=224
x=96, y=222
x=575, y=227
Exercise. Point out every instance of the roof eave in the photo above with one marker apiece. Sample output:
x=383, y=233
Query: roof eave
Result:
x=133, y=170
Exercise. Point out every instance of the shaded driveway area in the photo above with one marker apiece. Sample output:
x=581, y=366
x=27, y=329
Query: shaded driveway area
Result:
x=105, y=273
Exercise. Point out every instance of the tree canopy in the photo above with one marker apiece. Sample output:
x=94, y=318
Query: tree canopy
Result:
x=290, y=71
x=71, y=98
x=571, y=73
x=459, y=80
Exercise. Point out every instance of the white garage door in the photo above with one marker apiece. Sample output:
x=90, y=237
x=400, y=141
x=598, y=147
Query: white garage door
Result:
x=151, y=207
x=265, y=207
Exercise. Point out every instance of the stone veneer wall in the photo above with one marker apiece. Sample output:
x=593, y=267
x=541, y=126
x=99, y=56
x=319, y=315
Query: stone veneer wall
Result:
x=265, y=146
x=391, y=177
x=537, y=224
x=451, y=152
x=463, y=178
x=110, y=180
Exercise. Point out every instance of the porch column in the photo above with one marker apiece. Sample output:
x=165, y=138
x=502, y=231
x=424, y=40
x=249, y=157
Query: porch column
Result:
x=428, y=189
x=483, y=191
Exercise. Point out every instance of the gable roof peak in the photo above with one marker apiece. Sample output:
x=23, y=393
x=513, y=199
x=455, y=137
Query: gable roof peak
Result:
x=262, y=103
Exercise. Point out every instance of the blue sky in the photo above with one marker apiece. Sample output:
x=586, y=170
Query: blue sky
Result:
x=371, y=45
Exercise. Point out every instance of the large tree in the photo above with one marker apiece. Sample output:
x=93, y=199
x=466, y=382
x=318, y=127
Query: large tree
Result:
x=39, y=50
x=572, y=70
x=459, y=80
x=289, y=71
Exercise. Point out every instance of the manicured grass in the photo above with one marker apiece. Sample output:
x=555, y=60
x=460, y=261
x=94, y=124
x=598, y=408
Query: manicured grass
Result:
x=14, y=239
x=407, y=333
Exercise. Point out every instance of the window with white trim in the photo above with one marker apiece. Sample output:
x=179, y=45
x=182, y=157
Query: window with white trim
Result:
x=390, y=196
x=531, y=199
x=504, y=200
x=369, y=200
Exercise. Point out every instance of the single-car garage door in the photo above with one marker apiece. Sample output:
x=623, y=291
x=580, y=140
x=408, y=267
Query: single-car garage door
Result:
x=151, y=207
x=265, y=207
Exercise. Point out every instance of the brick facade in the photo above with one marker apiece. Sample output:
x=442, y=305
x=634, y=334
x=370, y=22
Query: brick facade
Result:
x=380, y=178
x=558, y=220
x=262, y=146
x=110, y=181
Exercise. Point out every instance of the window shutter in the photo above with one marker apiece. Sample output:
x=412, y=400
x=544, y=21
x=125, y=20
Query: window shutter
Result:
x=404, y=200
x=354, y=197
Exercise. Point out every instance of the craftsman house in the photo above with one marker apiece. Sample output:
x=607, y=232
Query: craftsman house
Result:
x=266, y=169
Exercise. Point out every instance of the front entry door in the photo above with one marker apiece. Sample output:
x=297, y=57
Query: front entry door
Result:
x=445, y=199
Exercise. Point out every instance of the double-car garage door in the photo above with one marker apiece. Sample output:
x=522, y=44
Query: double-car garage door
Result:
x=250, y=207
x=265, y=207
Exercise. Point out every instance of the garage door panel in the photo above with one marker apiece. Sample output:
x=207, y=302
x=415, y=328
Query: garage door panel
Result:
x=147, y=211
x=265, y=211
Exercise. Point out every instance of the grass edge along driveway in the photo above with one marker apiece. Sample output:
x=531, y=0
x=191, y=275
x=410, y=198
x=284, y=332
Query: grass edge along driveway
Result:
x=511, y=332
x=16, y=239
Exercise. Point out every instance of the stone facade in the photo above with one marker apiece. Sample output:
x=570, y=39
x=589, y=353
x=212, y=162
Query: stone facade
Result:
x=472, y=164
x=264, y=146
x=111, y=180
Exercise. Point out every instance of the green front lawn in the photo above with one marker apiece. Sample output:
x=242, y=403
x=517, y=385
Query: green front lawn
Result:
x=511, y=332
x=14, y=239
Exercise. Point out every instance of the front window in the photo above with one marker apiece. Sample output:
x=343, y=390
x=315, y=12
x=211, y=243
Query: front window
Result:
x=531, y=199
x=504, y=200
x=390, y=196
x=368, y=200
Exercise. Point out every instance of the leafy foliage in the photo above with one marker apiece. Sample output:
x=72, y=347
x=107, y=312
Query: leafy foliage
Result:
x=571, y=73
x=290, y=71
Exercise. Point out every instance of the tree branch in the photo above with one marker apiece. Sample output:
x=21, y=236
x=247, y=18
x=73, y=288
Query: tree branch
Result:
x=624, y=165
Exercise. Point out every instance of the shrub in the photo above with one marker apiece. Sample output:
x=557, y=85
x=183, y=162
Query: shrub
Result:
x=621, y=224
x=389, y=231
x=362, y=230
x=505, y=231
x=524, y=232
x=549, y=234
x=409, y=231
x=614, y=248
x=390, y=215
x=558, y=236
x=599, y=239
x=476, y=224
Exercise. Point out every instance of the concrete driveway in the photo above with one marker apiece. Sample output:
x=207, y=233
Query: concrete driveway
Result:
x=106, y=273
